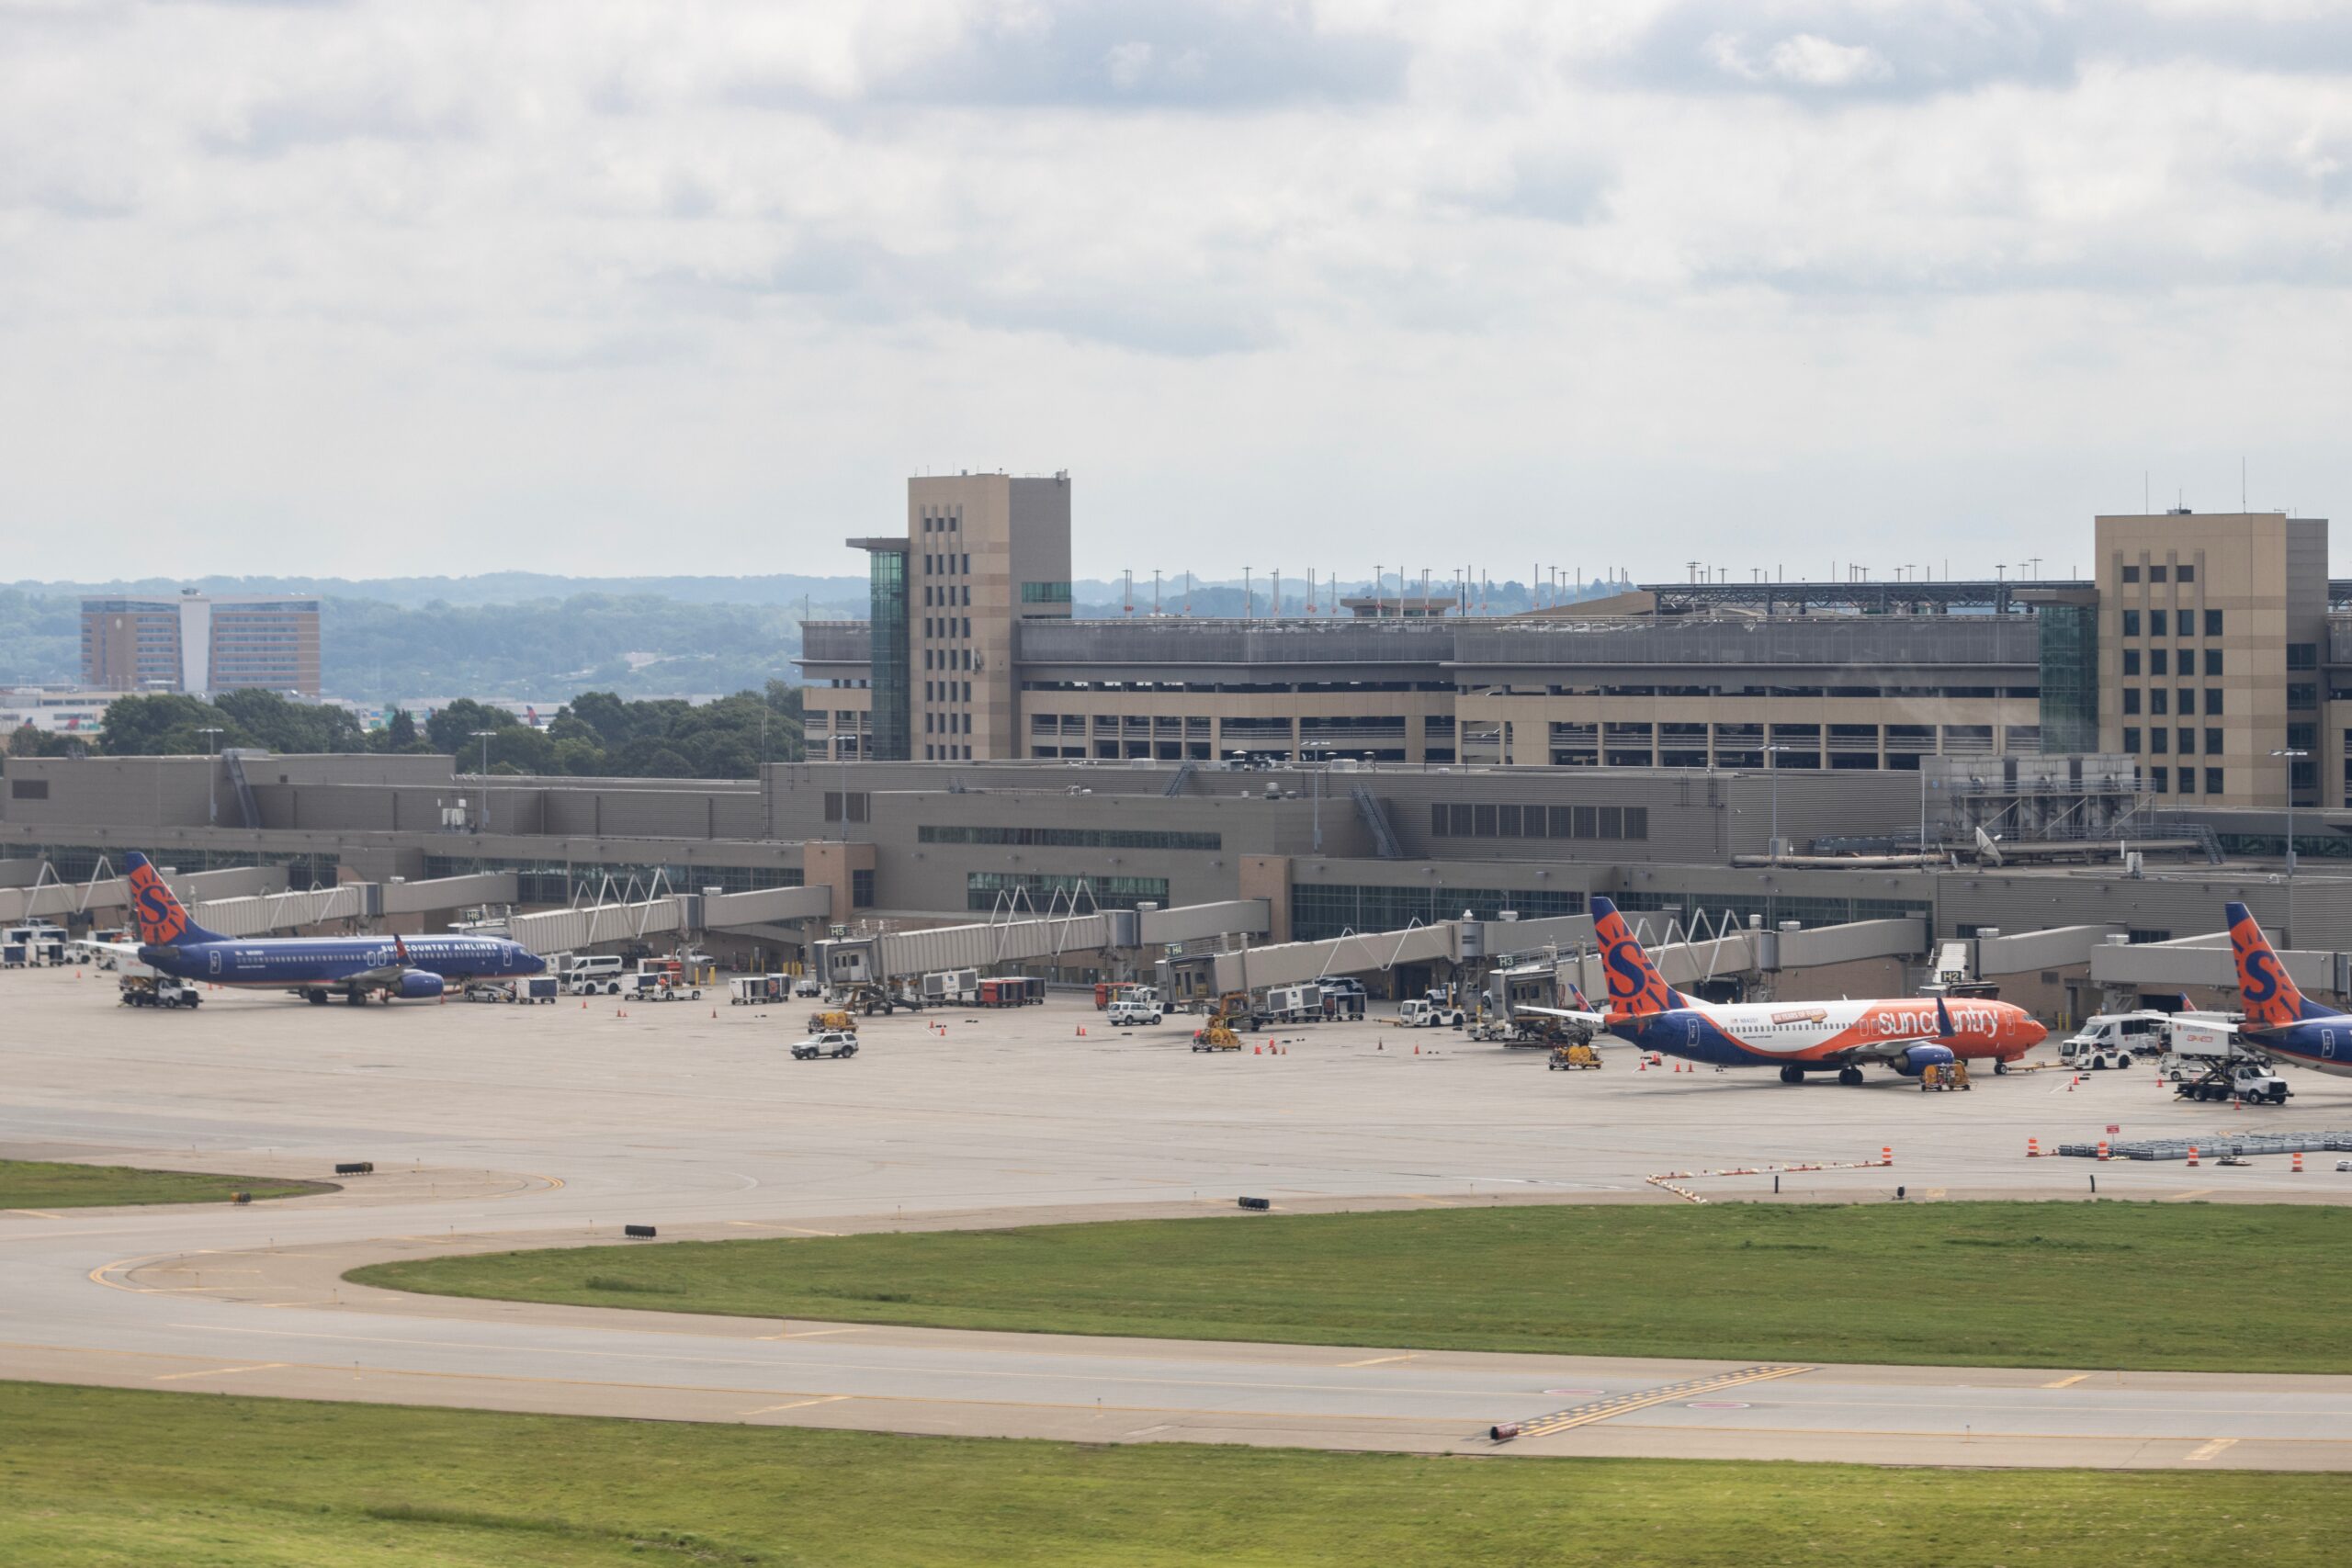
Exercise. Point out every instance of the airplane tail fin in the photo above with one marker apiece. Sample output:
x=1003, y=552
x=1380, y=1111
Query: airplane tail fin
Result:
x=1944, y=1031
x=2267, y=992
x=1635, y=988
x=162, y=921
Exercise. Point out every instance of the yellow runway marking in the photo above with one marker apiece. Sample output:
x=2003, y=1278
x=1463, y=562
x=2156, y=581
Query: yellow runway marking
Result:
x=220, y=1371
x=2067, y=1383
x=1379, y=1360
x=1602, y=1410
x=802, y=1404
x=2192, y=1192
x=38, y=1214
x=2213, y=1450
x=810, y=1332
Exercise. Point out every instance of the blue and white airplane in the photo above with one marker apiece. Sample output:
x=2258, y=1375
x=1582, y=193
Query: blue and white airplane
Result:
x=315, y=967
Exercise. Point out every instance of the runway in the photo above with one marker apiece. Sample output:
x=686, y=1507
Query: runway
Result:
x=496, y=1128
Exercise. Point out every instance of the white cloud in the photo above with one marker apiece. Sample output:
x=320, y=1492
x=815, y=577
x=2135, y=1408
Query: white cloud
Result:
x=570, y=281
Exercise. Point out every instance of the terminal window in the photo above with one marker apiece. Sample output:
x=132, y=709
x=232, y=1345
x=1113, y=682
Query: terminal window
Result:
x=29, y=789
x=2130, y=622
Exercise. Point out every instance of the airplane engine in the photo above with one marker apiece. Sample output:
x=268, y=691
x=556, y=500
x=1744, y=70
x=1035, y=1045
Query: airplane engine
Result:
x=422, y=986
x=1919, y=1058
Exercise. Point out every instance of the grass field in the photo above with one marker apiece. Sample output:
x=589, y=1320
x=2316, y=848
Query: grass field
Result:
x=104, y=1476
x=39, y=1184
x=1996, y=1284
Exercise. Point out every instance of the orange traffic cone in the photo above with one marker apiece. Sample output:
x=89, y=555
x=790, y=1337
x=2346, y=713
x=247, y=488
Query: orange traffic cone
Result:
x=1416, y=1047
x=1257, y=1050
x=2033, y=1148
x=1886, y=1155
x=2299, y=1162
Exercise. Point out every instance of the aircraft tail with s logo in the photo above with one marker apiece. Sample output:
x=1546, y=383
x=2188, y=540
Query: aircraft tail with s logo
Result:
x=162, y=921
x=2268, y=993
x=1635, y=988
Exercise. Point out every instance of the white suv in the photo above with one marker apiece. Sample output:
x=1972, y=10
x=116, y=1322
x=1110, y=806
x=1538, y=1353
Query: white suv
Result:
x=1125, y=1014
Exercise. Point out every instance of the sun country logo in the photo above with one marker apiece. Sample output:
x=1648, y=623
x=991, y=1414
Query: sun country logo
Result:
x=1634, y=984
x=160, y=918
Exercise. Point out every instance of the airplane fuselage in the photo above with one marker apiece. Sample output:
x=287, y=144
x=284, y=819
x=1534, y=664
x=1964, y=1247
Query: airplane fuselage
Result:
x=296, y=963
x=1819, y=1035
x=2323, y=1044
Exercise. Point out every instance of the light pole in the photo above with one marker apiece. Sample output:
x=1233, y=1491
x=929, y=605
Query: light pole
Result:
x=483, y=736
x=212, y=795
x=1774, y=768
x=2292, y=755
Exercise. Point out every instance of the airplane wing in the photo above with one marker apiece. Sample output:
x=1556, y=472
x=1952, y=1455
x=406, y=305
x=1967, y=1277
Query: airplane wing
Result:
x=1567, y=1015
x=121, y=949
x=1891, y=1049
x=1881, y=1050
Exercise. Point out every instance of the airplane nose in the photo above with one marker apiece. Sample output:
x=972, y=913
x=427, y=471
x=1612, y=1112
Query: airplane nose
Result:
x=2032, y=1032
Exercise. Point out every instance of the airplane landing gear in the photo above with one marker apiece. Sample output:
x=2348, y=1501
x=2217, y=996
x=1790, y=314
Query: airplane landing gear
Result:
x=1792, y=1074
x=317, y=998
x=1849, y=1076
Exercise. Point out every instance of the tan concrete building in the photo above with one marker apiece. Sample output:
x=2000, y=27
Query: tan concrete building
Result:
x=2213, y=630
x=2202, y=646
x=192, y=642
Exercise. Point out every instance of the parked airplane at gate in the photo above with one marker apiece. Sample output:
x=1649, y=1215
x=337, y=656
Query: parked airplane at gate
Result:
x=2279, y=1018
x=1909, y=1034
x=313, y=966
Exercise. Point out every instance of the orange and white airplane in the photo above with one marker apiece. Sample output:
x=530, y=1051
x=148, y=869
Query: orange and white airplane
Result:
x=1909, y=1034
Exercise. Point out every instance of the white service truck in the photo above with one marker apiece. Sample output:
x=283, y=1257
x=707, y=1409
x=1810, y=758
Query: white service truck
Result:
x=1421, y=1012
x=2210, y=1062
x=2114, y=1040
x=590, y=974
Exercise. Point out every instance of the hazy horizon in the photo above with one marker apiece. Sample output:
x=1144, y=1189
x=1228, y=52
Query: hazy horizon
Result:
x=362, y=289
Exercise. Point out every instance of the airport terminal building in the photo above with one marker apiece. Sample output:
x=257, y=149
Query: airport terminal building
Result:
x=2202, y=647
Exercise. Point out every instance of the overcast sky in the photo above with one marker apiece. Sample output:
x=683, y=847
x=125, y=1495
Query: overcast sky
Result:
x=427, y=285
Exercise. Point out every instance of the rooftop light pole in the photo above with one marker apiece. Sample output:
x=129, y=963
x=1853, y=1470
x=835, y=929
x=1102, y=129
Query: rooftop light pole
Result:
x=2292, y=756
x=1774, y=768
x=211, y=796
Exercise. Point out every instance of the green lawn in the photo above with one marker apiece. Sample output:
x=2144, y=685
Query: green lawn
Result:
x=39, y=1184
x=104, y=1476
x=1996, y=1284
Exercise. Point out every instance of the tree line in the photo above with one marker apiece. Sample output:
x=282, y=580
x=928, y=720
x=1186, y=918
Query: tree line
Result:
x=597, y=733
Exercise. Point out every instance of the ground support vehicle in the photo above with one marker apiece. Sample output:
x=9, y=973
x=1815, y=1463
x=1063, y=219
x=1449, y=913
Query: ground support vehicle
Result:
x=488, y=991
x=2252, y=1081
x=2114, y=1040
x=1343, y=996
x=831, y=1043
x=1126, y=1013
x=1218, y=1032
x=1295, y=1004
x=1575, y=1055
x=2210, y=1062
x=755, y=990
x=1944, y=1075
x=1012, y=991
x=951, y=987
x=832, y=1020
x=659, y=985
x=157, y=991
x=1421, y=1012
